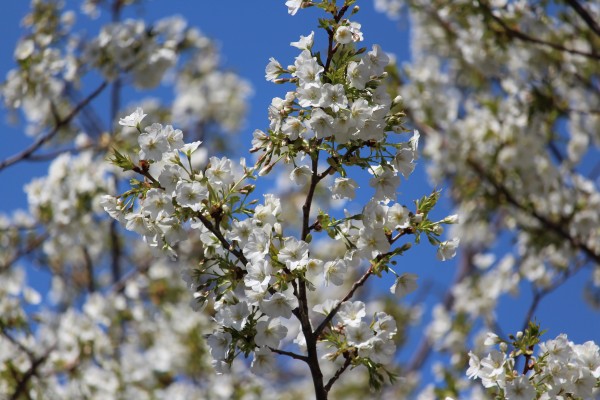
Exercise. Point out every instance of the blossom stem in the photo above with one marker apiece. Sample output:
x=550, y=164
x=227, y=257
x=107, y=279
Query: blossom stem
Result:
x=214, y=229
x=148, y=176
x=330, y=48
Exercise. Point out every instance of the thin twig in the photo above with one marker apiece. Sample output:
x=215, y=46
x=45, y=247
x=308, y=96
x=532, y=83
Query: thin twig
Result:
x=30, y=373
x=539, y=295
x=119, y=286
x=217, y=232
x=331, y=49
x=348, y=296
x=35, y=363
x=517, y=34
x=14, y=341
x=424, y=348
x=289, y=354
x=339, y=372
x=90, y=121
x=53, y=154
x=28, y=152
x=545, y=221
x=32, y=245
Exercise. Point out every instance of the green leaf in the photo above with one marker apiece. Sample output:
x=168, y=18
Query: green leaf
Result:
x=426, y=203
x=121, y=161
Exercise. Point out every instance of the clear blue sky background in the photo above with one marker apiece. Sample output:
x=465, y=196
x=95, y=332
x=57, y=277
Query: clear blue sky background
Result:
x=249, y=32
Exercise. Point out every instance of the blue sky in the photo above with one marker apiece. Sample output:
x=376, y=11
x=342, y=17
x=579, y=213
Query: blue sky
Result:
x=249, y=32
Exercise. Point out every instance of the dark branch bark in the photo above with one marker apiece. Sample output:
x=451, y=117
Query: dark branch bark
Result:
x=115, y=104
x=36, y=362
x=339, y=372
x=89, y=268
x=290, y=354
x=585, y=15
x=30, y=373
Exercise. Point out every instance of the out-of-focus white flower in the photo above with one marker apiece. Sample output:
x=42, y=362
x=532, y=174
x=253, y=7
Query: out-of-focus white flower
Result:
x=447, y=249
x=133, y=119
x=404, y=284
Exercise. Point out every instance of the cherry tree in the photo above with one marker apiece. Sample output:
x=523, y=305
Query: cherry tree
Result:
x=259, y=273
x=177, y=271
x=506, y=95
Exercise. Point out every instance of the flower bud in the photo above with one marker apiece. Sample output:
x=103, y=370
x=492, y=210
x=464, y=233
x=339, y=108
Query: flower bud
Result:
x=450, y=219
x=247, y=189
x=265, y=170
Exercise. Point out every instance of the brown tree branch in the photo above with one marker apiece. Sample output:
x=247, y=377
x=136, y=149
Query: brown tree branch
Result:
x=585, y=15
x=542, y=219
x=424, y=348
x=302, y=314
x=40, y=141
x=89, y=267
x=36, y=362
x=32, y=245
x=339, y=372
x=520, y=35
x=347, y=297
x=30, y=373
x=217, y=232
x=290, y=354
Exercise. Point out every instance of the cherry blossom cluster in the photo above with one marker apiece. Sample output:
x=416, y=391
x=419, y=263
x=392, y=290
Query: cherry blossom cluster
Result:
x=66, y=203
x=206, y=95
x=72, y=354
x=561, y=368
x=265, y=260
x=517, y=157
x=253, y=272
x=114, y=322
x=52, y=60
x=45, y=69
x=505, y=94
